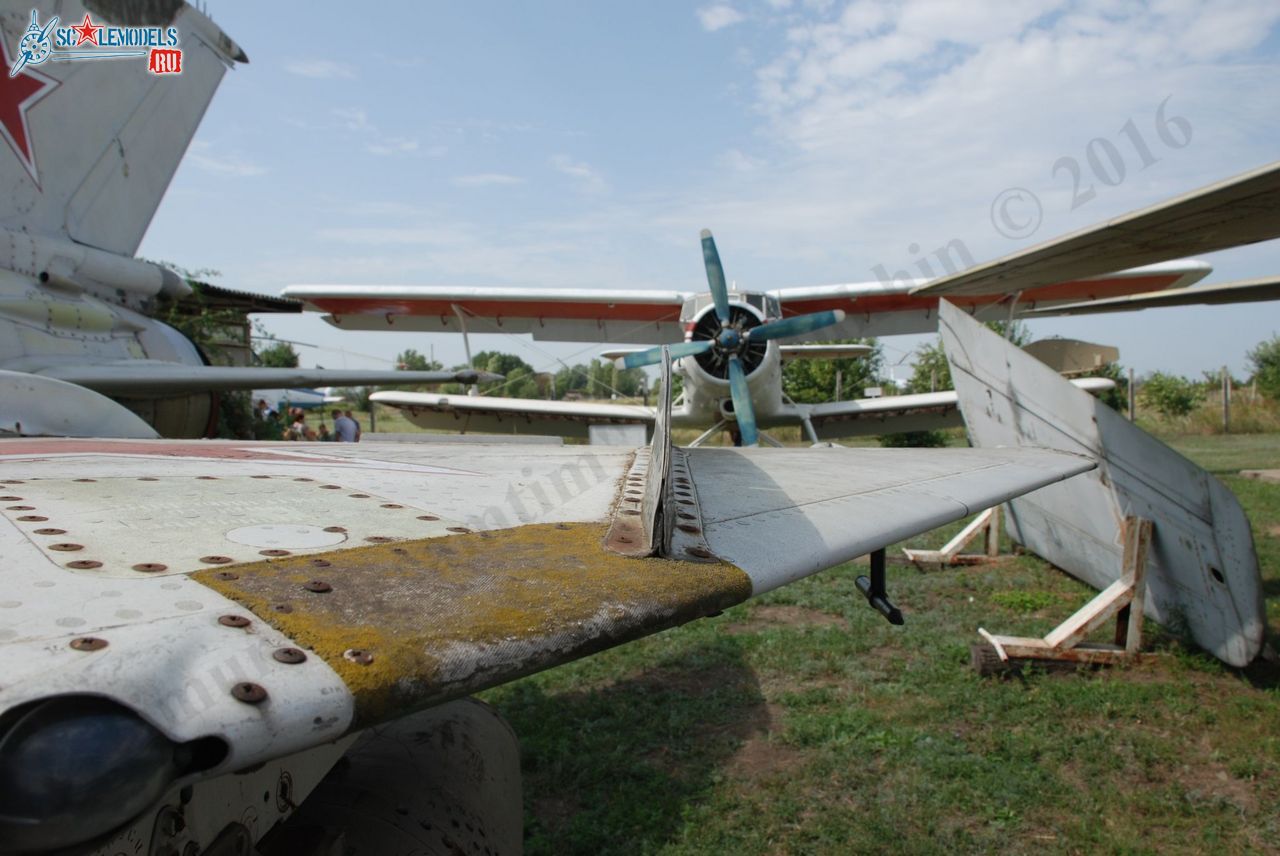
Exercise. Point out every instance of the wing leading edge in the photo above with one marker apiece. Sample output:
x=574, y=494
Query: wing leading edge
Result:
x=1244, y=209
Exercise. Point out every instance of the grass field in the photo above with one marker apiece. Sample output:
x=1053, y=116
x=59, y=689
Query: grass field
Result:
x=804, y=723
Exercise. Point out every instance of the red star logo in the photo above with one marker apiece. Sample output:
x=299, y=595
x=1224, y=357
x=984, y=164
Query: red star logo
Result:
x=87, y=32
x=18, y=95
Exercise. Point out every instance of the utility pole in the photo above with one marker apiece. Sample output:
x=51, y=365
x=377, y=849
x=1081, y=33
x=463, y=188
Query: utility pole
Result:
x=1131, y=395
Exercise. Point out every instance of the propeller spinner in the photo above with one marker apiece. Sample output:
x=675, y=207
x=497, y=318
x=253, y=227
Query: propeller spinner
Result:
x=724, y=348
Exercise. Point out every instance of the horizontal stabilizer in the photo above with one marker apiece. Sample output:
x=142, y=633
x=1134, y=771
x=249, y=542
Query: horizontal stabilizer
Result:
x=1202, y=569
x=147, y=378
x=1072, y=356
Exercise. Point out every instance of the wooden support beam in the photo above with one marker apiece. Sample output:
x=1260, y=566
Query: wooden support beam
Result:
x=987, y=523
x=1122, y=600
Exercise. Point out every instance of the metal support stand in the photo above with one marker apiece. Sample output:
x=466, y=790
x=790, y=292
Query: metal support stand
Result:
x=987, y=523
x=466, y=342
x=771, y=440
x=808, y=427
x=705, y=435
x=1122, y=600
x=874, y=591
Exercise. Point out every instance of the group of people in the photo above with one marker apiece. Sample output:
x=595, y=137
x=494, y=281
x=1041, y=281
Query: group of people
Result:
x=269, y=426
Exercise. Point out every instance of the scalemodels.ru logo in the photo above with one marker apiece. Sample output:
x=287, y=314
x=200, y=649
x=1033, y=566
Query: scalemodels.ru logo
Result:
x=89, y=41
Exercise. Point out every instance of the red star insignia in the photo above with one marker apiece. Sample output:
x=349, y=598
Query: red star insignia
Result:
x=87, y=32
x=18, y=95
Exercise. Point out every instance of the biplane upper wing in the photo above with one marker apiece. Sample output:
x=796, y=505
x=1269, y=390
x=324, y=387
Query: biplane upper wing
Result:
x=905, y=306
x=553, y=314
x=1241, y=210
x=226, y=603
x=1219, y=294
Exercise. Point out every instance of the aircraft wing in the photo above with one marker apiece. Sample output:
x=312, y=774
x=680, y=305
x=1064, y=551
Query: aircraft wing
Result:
x=1240, y=291
x=554, y=314
x=266, y=598
x=889, y=308
x=1238, y=211
x=152, y=377
x=493, y=415
x=892, y=414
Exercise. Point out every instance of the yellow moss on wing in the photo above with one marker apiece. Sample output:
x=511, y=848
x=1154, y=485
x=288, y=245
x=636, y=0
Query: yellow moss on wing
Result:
x=448, y=616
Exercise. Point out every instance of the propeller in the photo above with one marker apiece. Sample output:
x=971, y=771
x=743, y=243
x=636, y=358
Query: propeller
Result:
x=743, y=411
x=733, y=339
x=653, y=356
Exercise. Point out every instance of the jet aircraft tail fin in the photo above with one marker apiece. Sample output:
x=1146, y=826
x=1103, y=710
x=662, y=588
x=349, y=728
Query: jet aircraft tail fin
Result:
x=94, y=142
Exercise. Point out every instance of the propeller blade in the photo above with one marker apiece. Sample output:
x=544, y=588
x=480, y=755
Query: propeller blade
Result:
x=742, y=409
x=795, y=326
x=715, y=276
x=653, y=356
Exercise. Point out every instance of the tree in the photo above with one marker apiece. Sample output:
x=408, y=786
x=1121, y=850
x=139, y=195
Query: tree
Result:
x=412, y=361
x=931, y=372
x=520, y=380
x=280, y=355
x=814, y=381
x=1264, y=361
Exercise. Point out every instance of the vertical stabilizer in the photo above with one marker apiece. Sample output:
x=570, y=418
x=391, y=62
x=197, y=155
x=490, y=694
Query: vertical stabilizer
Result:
x=92, y=143
x=1202, y=571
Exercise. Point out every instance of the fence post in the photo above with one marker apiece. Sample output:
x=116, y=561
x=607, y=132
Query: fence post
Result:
x=1226, y=401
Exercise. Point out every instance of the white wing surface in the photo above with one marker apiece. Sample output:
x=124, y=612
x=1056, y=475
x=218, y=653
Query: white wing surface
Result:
x=1244, y=209
x=403, y=575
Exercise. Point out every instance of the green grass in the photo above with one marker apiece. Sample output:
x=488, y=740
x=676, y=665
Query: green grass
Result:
x=802, y=722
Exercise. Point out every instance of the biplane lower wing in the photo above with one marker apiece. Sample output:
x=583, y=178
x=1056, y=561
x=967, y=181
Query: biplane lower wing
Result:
x=223, y=604
x=484, y=414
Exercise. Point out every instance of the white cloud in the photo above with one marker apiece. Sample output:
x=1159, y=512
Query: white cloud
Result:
x=718, y=17
x=202, y=154
x=354, y=118
x=739, y=161
x=487, y=179
x=587, y=177
x=392, y=146
x=320, y=69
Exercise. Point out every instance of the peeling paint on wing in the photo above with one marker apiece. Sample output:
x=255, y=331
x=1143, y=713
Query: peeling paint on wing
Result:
x=415, y=623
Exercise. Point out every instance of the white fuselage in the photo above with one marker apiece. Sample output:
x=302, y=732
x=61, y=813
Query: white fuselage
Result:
x=706, y=397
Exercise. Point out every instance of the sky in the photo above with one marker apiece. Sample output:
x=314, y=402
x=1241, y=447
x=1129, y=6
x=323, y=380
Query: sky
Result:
x=585, y=144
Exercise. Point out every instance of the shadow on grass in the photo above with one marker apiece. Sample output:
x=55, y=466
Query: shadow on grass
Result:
x=614, y=769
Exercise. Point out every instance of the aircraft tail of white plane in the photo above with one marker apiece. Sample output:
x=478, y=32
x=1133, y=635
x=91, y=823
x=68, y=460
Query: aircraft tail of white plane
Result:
x=92, y=144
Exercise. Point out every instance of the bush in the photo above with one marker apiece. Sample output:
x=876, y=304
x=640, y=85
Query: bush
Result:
x=1171, y=395
x=1264, y=360
x=914, y=439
